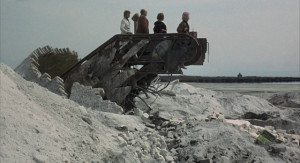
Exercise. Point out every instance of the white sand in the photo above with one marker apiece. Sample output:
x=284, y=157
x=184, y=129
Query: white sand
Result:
x=39, y=126
x=202, y=102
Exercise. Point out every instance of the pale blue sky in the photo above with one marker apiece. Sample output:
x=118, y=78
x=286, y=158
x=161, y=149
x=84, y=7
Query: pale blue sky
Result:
x=254, y=37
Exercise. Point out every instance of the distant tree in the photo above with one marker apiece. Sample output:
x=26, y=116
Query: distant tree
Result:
x=239, y=75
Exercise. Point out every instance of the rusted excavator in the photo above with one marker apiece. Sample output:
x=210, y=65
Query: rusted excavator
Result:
x=127, y=64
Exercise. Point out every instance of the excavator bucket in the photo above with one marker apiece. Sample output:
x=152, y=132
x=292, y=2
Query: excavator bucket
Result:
x=126, y=64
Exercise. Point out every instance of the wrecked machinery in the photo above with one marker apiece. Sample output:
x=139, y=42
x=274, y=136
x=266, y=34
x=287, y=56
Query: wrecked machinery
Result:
x=124, y=65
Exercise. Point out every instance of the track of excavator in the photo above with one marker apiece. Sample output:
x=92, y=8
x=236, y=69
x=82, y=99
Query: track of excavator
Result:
x=127, y=64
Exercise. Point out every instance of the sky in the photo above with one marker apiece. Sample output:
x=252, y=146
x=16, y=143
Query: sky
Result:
x=252, y=37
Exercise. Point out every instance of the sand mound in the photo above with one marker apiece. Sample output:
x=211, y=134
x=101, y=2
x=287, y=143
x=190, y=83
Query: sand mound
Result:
x=38, y=125
x=198, y=138
x=202, y=102
x=183, y=126
x=286, y=100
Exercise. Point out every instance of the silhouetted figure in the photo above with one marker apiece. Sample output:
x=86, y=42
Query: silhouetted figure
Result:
x=143, y=23
x=159, y=25
x=184, y=27
x=135, y=19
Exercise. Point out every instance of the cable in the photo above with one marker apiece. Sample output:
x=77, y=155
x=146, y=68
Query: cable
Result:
x=167, y=84
x=153, y=92
x=147, y=90
x=143, y=102
x=154, y=99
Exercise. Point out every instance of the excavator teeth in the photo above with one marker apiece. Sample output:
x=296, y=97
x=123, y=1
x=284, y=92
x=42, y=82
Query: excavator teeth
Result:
x=123, y=66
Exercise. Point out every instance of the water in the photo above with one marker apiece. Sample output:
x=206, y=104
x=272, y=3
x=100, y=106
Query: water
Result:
x=263, y=90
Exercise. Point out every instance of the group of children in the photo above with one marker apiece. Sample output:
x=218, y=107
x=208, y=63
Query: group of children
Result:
x=141, y=23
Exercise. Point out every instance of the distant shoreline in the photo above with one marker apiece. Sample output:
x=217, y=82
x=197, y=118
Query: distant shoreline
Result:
x=247, y=79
